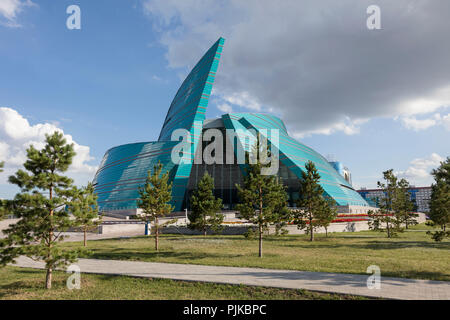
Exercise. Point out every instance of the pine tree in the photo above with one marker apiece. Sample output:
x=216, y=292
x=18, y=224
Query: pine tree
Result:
x=403, y=206
x=154, y=199
x=374, y=221
x=40, y=207
x=85, y=210
x=440, y=200
x=442, y=173
x=6, y=208
x=205, y=207
x=3, y=209
x=261, y=197
x=3, y=203
x=310, y=202
x=284, y=216
x=327, y=214
x=389, y=213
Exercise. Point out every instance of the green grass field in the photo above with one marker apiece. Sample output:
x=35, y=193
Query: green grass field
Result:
x=412, y=255
x=25, y=284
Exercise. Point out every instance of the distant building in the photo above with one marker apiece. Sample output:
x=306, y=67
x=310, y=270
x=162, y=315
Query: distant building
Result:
x=420, y=195
x=342, y=170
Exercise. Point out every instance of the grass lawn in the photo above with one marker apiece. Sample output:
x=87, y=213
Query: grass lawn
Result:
x=21, y=283
x=412, y=255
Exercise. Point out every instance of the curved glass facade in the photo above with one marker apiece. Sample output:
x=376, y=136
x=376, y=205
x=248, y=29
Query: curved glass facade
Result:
x=124, y=168
x=293, y=155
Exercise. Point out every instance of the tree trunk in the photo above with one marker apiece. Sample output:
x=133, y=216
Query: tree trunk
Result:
x=85, y=237
x=204, y=225
x=260, y=221
x=260, y=241
x=156, y=235
x=48, y=278
x=326, y=232
x=388, y=230
x=311, y=229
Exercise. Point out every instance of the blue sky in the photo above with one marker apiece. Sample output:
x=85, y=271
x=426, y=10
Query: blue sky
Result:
x=112, y=81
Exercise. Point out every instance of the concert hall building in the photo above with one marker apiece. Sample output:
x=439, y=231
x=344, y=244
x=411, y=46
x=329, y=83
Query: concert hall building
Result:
x=124, y=168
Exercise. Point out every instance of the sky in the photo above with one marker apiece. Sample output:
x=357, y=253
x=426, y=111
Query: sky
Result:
x=372, y=99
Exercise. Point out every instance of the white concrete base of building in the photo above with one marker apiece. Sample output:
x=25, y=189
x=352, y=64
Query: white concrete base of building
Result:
x=179, y=227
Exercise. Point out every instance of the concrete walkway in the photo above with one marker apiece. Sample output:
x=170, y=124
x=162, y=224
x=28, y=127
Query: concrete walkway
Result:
x=391, y=288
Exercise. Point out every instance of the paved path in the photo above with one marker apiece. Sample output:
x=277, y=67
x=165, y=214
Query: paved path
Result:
x=78, y=236
x=392, y=288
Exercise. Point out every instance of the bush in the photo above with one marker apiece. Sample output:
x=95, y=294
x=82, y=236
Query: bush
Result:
x=251, y=233
x=439, y=235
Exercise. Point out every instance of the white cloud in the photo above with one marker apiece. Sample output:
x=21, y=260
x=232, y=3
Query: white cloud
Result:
x=413, y=123
x=242, y=99
x=16, y=135
x=439, y=98
x=416, y=124
x=446, y=121
x=224, y=107
x=347, y=126
x=418, y=173
x=9, y=9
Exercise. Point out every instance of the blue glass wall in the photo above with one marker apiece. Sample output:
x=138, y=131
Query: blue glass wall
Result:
x=294, y=155
x=124, y=168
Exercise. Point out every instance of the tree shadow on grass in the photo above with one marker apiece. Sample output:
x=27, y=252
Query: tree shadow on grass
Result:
x=386, y=244
x=28, y=271
x=15, y=288
x=124, y=254
x=280, y=239
x=371, y=244
x=415, y=274
x=318, y=238
x=28, y=284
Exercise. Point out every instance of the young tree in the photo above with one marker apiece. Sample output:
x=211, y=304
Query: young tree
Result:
x=388, y=214
x=40, y=207
x=3, y=205
x=3, y=210
x=327, y=213
x=154, y=199
x=403, y=206
x=310, y=202
x=440, y=200
x=205, y=207
x=261, y=197
x=442, y=173
x=284, y=216
x=85, y=210
x=374, y=221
